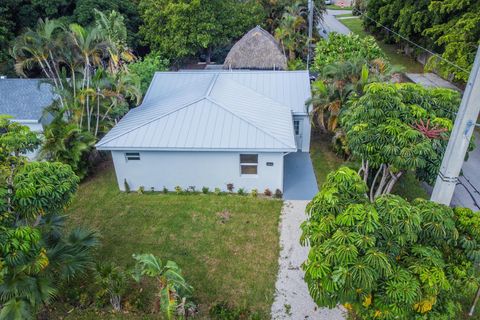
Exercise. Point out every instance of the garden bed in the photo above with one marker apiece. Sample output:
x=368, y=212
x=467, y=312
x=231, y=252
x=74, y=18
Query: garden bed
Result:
x=226, y=245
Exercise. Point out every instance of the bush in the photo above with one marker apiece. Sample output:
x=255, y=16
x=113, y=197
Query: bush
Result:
x=205, y=190
x=222, y=311
x=218, y=191
x=390, y=258
x=267, y=192
x=165, y=190
x=241, y=191
x=146, y=68
x=278, y=194
x=254, y=192
x=340, y=47
x=126, y=185
x=141, y=190
x=178, y=190
x=230, y=187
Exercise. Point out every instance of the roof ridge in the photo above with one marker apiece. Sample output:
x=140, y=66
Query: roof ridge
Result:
x=247, y=121
x=101, y=142
x=260, y=94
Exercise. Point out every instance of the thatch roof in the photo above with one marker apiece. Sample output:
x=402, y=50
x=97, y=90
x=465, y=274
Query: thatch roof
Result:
x=258, y=49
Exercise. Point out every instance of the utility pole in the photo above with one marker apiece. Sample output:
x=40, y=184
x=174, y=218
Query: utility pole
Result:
x=310, y=31
x=459, y=139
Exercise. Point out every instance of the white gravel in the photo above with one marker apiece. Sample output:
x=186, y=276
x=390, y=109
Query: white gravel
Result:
x=292, y=300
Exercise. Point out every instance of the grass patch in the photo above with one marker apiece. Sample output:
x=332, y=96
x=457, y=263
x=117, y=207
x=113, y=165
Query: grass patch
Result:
x=396, y=58
x=335, y=7
x=234, y=260
x=344, y=15
x=325, y=160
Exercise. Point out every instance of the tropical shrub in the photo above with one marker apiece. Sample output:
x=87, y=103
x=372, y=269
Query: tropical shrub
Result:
x=37, y=252
x=388, y=259
x=398, y=128
x=113, y=283
x=230, y=187
x=218, y=191
x=205, y=190
x=145, y=69
x=241, y=191
x=267, y=192
x=341, y=48
x=278, y=194
x=254, y=192
x=173, y=292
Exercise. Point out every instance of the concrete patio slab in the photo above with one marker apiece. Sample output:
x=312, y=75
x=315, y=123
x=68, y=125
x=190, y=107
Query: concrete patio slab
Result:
x=299, y=178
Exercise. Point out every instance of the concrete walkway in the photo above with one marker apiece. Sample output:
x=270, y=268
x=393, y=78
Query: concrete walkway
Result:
x=331, y=24
x=431, y=80
x=299, y=178
x=292, y=299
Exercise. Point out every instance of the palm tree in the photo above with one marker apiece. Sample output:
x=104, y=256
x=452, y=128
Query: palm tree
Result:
x=172, y=287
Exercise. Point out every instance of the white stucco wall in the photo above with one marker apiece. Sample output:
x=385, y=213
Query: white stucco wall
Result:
x=305, y=131
x=182, y=168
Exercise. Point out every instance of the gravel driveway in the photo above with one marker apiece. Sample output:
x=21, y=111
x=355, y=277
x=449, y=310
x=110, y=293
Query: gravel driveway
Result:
x=292, y=300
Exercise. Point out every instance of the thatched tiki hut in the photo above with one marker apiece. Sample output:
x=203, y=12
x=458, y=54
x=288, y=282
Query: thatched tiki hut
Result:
x=258, y=49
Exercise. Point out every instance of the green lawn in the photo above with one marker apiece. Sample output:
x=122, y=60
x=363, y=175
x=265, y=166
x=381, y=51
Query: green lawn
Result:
x=344, y=15
x=396, y=58
x=227, y=246
x=324, y=161
x=335, y=7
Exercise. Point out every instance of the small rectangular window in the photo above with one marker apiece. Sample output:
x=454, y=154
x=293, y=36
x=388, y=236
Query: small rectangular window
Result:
x=296, y=127
x=129, y=156
x=249, y=164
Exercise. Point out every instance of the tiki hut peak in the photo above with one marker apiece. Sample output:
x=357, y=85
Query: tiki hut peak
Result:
x=258, y=49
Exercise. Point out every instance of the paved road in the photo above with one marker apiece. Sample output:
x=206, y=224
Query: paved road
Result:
x=467, y=192
x=331, y=24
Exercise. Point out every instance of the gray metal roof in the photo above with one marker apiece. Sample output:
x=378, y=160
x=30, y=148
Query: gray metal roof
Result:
x=24, y=99
x=214, y=111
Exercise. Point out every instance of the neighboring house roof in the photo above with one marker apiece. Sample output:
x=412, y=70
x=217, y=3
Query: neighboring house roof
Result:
x=257, y=49
x=214, y=111
x=25, y=99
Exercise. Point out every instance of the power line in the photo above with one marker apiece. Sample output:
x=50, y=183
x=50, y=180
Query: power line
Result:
x=408, y=40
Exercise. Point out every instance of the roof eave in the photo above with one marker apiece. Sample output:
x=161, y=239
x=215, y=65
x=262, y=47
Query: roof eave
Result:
x=285, y=149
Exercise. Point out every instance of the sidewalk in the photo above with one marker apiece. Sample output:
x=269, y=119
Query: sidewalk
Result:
x=292, y=299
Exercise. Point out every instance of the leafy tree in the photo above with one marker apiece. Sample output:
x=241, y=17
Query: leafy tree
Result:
x=275, y=9
x=145, y=68
x=36, y=252
x=458, y=35
x=173, y=290
x=178, y=29
x=341, y=48
x=399, y=128
x=88, y=68
x=388, y=259
x=449, y=27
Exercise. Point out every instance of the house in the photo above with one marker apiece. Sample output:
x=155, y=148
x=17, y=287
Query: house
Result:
x=212, y=128
x=25, y=100
x=256, y=50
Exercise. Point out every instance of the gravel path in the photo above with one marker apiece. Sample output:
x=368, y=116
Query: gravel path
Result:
x=292, y=300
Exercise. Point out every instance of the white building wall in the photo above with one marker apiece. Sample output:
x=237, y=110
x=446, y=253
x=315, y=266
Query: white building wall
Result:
x=169, y=169
x=305, y=131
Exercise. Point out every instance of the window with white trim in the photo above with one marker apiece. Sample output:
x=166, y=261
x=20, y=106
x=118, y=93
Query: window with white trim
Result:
x=132, y=156
x=248, y=164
